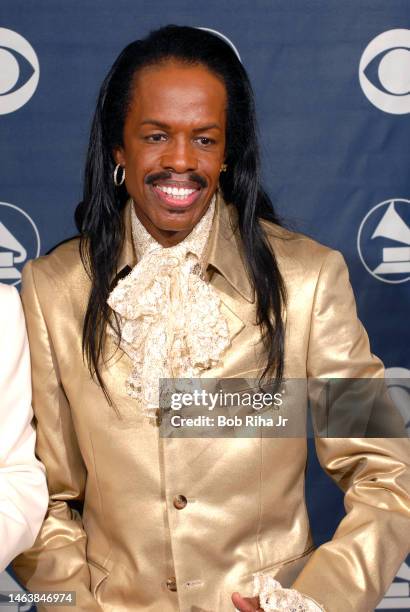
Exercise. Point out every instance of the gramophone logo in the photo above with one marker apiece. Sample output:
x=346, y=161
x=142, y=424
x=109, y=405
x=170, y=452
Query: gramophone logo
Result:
x=19, y=241
x=383, y=241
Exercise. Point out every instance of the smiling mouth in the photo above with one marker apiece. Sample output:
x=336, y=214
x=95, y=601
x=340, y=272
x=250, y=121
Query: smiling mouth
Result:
x=176, y=196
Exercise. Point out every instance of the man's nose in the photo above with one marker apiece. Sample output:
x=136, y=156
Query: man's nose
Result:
x=180, y=156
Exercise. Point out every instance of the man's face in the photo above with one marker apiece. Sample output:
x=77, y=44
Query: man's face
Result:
x=174, y=146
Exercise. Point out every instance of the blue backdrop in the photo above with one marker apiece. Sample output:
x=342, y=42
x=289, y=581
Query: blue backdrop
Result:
x=332, y=85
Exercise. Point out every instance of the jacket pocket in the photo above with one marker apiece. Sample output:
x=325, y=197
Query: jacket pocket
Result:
x=285, y=571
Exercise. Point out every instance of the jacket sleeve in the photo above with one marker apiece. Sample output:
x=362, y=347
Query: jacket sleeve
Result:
x=352, y=572
x=23, y=490
x=57, y=561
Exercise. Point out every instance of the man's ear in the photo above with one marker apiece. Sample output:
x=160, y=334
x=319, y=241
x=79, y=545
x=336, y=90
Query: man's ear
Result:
x=118, y=155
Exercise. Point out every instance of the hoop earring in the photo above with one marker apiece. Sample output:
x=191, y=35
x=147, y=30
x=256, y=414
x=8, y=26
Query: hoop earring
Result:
x=118, y=183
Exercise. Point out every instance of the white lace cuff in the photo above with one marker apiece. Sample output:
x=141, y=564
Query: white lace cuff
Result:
x=272, y=597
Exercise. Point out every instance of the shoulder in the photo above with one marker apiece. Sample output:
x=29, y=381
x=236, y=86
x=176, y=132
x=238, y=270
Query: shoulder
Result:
x=293, y=244
x=62, y=260
x=9, y=298
x=57, y=279
x=62, y=267
x=13, y=336
x=11, y=310
x=294, y=250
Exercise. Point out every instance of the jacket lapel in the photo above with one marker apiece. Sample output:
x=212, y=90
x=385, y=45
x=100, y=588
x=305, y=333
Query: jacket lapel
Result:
x=225, y=269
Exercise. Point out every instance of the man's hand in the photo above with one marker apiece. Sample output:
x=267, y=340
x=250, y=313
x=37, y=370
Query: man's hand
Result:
x=246, y=604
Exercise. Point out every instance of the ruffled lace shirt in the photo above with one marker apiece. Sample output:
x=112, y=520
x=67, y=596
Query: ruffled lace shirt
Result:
x=170, y=319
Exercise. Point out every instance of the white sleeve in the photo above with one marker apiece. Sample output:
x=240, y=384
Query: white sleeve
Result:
x=23, y=490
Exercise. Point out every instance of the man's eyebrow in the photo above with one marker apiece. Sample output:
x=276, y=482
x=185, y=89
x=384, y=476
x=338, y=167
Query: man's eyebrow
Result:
x=155, y=122
x=165, y=126
x=204, y=128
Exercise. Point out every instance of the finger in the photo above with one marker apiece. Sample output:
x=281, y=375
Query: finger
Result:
x=245, y=604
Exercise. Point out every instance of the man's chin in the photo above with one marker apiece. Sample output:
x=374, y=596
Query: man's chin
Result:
x=176, y=225
x=171, y=219
x=179, y=218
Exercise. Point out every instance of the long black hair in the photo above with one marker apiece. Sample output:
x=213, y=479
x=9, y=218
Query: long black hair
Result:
x=99, y=215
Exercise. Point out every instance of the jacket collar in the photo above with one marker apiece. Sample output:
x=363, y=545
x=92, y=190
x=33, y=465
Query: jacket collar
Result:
x=224, y=251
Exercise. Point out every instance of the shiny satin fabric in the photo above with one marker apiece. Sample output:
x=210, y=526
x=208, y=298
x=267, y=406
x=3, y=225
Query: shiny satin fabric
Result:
x=134, y=548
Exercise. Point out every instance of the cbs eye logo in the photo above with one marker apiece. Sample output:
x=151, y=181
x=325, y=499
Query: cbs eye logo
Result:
x=19, y=71
x=386, y=62
x=225, y=38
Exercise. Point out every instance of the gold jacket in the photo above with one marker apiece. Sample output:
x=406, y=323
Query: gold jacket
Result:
x=137, y=546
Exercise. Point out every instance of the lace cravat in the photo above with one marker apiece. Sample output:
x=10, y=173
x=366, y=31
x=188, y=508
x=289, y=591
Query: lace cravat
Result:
x=170, y=320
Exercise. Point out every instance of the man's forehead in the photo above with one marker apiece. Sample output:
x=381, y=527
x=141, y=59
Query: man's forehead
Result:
x=180, y=88
x=164, y=125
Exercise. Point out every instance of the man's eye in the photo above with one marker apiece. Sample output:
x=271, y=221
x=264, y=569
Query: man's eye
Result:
x=203, y=140
x=155, y=137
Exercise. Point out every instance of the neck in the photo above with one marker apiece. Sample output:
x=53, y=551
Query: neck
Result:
x=193, y=239
x=166, y=238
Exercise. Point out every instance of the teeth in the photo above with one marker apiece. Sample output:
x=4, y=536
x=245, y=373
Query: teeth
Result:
x=179, y=193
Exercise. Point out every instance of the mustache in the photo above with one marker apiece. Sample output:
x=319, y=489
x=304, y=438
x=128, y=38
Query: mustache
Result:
x=164, y=176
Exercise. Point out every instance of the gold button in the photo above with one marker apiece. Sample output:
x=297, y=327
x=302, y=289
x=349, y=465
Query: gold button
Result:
x=180, y=501
x=172, y=583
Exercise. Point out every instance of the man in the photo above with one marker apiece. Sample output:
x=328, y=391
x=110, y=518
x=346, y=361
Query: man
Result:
x=23, y=490
x=181, y=270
